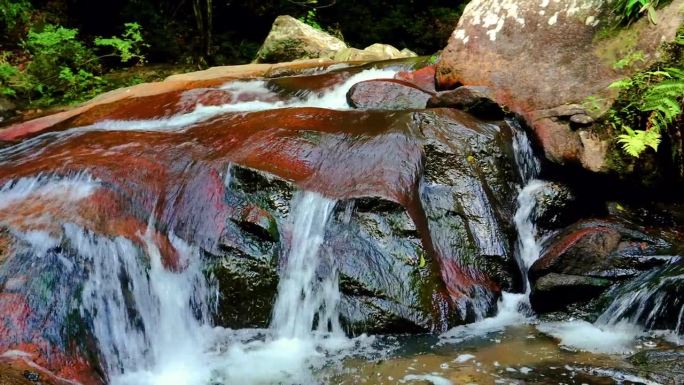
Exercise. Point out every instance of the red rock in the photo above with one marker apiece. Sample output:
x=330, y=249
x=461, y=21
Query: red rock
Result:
x=537, y=55
x=387, y=94
x=423, y=78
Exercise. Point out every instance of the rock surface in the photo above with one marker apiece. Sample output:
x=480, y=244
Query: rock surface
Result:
x=539, y=55
x=389, y=94
x=423, y=78
x=584, y=259
x=477, y=101
x=291, y=39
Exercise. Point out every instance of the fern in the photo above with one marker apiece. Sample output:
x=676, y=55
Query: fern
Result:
x=635, y=142
x=663, y=100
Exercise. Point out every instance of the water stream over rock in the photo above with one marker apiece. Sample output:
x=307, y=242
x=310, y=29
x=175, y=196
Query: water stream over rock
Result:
x=257, y=231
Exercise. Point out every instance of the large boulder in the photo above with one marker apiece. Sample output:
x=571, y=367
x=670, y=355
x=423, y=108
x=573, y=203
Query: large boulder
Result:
x=542, y=57
x=291, y=39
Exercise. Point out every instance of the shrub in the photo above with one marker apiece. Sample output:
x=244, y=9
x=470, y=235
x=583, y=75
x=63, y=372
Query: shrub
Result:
x=14, y=13
x=127, y=47
x=55, y=50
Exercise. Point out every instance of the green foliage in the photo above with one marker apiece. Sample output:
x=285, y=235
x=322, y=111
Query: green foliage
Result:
x=661, y=100
x=13, y=13
x=630, y=10
x=311, y=19
x=634, y=142
x=127, y=47
x=56, y=51
x=58, y=67
x=629, y=60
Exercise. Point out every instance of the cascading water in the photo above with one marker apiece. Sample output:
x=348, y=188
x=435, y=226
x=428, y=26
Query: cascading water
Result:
x=301, y=299
x=333, y=98
x=514, y=308
x=160, y=332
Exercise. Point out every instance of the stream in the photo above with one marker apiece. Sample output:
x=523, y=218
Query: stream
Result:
x=334, y=228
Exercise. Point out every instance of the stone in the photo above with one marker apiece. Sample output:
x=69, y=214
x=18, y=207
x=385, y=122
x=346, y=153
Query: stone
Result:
x=661, y=366
x=555, y=206
x=573, y=60
x=591, y=255
x=386, y=94
x=291, y=39
x=373, y=52
x=474, y=100
x=554, y=291
x=423, y=78
x=582, y=119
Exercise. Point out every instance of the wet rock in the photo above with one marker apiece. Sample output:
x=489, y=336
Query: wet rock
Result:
x=494, y=40
x=423, y=78
x=291, y=39
x=468, y=198
x=389, y=94
x=555, y=205
x=553, y=291
x=386, y=280
x=474, y=100
x=595, y=249
x=662, y=366
x=246, y=265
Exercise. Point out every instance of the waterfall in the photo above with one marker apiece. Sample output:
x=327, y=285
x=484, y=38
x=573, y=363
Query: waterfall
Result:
x=301, y=299
x=142, y=314
x=514, y=308
x=527, y=249
x=654, y=301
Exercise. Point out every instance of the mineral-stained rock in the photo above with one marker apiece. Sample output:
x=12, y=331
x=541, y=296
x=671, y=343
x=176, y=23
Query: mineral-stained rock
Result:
x=423, y=78
x=387, y=94
x=589, y=256
x=538, y=55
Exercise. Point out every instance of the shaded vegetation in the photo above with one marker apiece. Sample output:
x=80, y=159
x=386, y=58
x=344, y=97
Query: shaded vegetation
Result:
x=60, y=51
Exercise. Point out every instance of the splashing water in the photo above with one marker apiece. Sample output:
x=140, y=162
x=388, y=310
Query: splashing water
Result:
x=157, y=330
x=300, y=301
x=513, y=308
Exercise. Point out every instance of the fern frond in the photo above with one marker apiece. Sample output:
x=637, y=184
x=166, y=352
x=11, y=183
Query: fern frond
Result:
x=673, y=87
x=675, y=72
x=621, y=84
x=667, y=105
x=635, y=142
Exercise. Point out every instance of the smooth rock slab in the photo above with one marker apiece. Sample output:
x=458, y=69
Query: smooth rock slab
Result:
x=386, y=94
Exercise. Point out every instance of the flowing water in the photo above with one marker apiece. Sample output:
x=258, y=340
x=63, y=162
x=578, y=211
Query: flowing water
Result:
x=143, y=289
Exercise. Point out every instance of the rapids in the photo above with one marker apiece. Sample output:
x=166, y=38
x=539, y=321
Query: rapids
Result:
x=262, y=232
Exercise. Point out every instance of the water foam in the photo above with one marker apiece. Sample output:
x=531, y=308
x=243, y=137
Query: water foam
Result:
x=333, y=98
x=583, y=335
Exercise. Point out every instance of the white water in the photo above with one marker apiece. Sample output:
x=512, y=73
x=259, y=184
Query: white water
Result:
x=300, y=297
x=513, y=308
x=152, y=325
x=43, y=187
x=333, y=98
